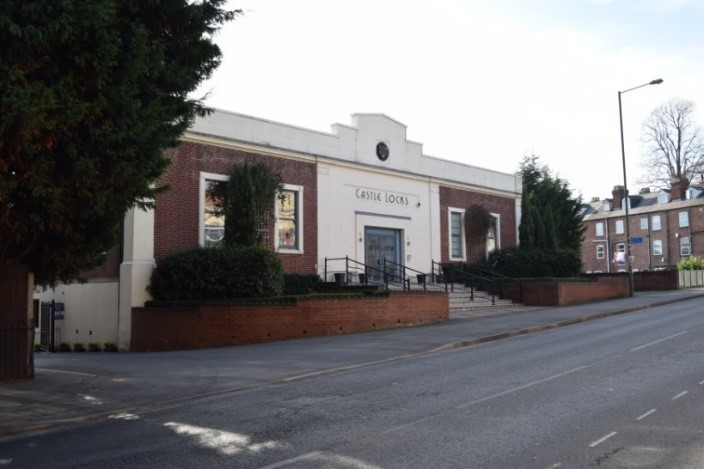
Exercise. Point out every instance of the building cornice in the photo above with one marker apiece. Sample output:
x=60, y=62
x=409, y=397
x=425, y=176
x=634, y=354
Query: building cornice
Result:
x=231, y=144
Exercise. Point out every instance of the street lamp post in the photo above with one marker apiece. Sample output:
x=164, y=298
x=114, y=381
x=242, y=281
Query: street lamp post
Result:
x=625, y=184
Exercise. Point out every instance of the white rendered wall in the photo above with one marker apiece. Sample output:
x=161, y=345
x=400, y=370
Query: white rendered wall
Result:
x=350, y=199
x=90, y=312
x=135, y=270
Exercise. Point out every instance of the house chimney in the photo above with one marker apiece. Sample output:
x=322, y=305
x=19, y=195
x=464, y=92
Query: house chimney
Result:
x=678, y=188
x=595, y=199
x=645, y=190
x=618, y=194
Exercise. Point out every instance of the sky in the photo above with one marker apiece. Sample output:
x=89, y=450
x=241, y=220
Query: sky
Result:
x=475, y=81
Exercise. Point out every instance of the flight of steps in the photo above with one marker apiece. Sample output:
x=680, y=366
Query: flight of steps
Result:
x=461, y=301
x=460, y=298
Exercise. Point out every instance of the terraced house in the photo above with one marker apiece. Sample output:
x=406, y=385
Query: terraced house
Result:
x=665, y=226
x=362, y=191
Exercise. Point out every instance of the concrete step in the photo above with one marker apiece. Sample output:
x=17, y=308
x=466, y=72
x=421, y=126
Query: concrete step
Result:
x=462, y=301
x=460, y=297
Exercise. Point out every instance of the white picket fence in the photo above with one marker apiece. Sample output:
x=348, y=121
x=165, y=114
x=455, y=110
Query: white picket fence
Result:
x=691, y=278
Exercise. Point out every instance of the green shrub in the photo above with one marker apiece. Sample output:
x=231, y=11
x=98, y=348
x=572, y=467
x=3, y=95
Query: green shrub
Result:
x=37, y=347
x=78, y=347
x=300, y=284
x=521, y=263
x=109, y=347
x=64, y=347
x=217, y=273
x=94, y=346
x=690, y=263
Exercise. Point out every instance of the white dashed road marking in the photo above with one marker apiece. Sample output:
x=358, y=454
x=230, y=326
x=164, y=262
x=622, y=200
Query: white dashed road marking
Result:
x=646, y=414
x=658, y=341
x=602, y=439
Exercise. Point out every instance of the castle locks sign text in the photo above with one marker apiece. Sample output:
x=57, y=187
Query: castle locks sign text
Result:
x=381, y=196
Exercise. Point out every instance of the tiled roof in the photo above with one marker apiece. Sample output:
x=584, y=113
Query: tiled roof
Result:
x=641, y=203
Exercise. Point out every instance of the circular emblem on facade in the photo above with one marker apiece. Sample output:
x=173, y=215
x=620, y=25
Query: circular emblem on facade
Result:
x=382, y=151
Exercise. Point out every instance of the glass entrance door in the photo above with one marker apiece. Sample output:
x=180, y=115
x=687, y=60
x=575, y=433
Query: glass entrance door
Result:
x=382, y=250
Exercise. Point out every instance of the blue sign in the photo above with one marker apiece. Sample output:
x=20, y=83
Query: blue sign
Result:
x=58, y=306
x=636, y=240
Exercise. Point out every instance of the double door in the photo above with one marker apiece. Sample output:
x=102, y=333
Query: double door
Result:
x=382, y=252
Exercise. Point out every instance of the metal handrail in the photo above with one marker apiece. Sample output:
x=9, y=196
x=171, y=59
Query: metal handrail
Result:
x=434, y=276
x=467, y=278
x=494, y=279
x=357, y=267
x=502, y=278
x=405, y=280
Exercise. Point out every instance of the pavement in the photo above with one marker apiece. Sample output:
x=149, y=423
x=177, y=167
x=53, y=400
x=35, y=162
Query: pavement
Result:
x=78, y=388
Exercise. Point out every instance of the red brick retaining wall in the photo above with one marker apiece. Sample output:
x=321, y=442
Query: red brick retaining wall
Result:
x=159, y=329
x=646, y=280
x=567, y=293
x=656, y=280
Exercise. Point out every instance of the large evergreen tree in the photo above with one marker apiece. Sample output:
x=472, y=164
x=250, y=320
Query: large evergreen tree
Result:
x=550, y=217
x=91, y=93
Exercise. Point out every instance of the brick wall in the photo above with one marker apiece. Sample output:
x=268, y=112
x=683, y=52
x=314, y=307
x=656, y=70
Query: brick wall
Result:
x=458, y=198
x=657, y=280
x=669, y=234
x=567, y=293
x=645, y=280
x=177, y=214
x=219, y=326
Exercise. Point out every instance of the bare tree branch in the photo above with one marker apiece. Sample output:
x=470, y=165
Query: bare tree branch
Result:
x=675, y=145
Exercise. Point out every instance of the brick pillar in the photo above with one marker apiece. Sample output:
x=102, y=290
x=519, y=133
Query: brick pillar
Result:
x=16, y=327
x=135, y=270
x=678, y=188
x=618, y=193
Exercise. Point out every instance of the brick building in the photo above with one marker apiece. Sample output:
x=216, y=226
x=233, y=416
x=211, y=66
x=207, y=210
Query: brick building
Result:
x=362, y=191
x=664, y=226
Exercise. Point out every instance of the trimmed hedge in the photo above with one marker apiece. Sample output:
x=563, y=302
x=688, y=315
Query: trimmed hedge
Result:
x=521, y=263
x=217, y=273
x=269, y=300
x=301, y=284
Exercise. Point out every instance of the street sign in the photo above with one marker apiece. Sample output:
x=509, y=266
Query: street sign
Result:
x=636, y=240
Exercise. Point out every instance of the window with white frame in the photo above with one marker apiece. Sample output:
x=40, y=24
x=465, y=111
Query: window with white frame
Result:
x=644, y=223
x=619, y=226
x=685, y=248
x=620, y=254
x=655, y=222
x=600, y=251
x=456, y=225
x=657, y=247
x=212, y=220
x=599, y=228
x=684, y=219
x=289, y=220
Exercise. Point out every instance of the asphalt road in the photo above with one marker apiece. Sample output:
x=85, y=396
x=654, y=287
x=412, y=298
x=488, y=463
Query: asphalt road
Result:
x=626, y=391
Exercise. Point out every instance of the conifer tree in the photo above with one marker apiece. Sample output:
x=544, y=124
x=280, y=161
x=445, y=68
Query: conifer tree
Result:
x=550, y=217
x=91, y=93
